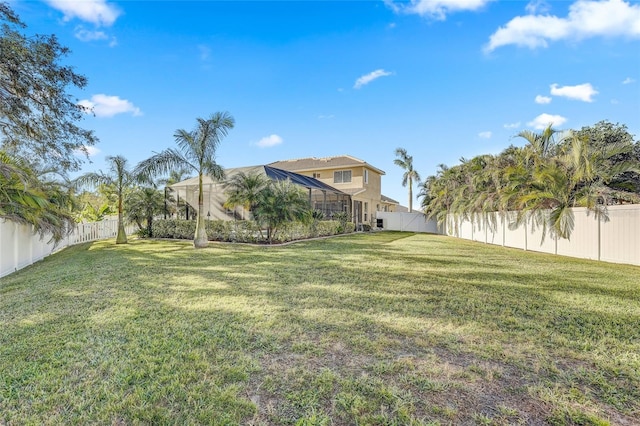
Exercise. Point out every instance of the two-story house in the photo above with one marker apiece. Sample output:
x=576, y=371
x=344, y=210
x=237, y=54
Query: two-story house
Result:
x=348, y=174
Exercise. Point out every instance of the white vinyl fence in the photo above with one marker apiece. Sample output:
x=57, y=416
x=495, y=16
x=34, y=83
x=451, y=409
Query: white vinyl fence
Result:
x=411, y=222
x=616, y=240
x=20, y=247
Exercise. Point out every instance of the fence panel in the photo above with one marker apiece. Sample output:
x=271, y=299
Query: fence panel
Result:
x=517, y=237
x=7, y=238
x=411, y=222
x=617, y=240
x=537, y=241
x=583, y=242
x=620, y=236
x=20, y=247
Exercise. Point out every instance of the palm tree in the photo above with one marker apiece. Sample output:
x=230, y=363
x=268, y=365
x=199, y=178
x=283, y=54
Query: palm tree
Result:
x=117, y=181
x=143, y=204
x=196, y=151
x=244, y=190
x=280, y=202
x=26, y=197
x=405, y=161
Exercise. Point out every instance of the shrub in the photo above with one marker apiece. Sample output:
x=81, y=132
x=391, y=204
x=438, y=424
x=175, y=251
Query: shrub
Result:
x=248, y=231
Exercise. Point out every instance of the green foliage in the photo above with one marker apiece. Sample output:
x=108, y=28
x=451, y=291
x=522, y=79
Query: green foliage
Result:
x=174, y=228
x=37, y=114
x=142, y=205
x=29, y=198
x=92, y=214
x=245, y=231
x=591, y=168
x=279, y=203
x=245, y=190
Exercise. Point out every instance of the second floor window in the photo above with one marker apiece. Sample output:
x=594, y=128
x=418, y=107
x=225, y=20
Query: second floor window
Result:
x=342, y=176
x=366, y=176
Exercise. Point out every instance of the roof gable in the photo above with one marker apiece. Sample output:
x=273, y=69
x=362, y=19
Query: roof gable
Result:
x=314, y=163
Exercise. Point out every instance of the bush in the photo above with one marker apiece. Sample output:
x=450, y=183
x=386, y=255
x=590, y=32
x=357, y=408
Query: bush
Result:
x=248, y=231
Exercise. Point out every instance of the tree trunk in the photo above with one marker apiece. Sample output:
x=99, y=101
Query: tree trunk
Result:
x=410, y=196
x=200, y=240
x=121, y=238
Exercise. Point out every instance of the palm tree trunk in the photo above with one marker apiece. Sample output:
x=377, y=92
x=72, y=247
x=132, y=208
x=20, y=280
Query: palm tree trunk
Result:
x=200, y=239
x=410, y=195
x=121, y=237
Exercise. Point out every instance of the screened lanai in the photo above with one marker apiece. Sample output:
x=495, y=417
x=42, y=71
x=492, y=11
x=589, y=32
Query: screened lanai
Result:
x=321, y=196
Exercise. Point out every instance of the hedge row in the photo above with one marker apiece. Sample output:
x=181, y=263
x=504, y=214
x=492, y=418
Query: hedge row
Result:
x=245, y=231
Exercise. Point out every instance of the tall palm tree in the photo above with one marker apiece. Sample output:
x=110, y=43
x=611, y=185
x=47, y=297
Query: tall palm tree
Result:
x=244, y=190
x=117, y=181
x=196, y=151
x=405, y=161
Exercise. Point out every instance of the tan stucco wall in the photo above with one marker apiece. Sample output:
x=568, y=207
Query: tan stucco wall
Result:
x=372, y=189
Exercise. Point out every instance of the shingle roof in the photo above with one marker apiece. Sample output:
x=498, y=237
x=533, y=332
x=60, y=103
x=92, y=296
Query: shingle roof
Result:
x=314, y=163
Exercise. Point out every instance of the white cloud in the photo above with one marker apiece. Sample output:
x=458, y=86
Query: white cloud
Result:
x=543, y=99
x=98, y=12
x=485, y=135
x=108, y=106
x=269, y=141
x=537, y=6
x=587, y=18
x=84, y=34
x=543, y=120
x=436, y=9
x=628, y=80
x=512, y=125
x=326, y=117
x=580, y=92
x=368, y=78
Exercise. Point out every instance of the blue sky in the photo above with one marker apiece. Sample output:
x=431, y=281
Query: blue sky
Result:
x=443, y=79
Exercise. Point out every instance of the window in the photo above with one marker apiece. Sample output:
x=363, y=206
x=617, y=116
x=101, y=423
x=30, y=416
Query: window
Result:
x=316, y=175
x=366, y=210
x=342, y=176
x=366, y=176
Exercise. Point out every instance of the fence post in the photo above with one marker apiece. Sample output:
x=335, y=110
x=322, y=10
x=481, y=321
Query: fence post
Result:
x=599, y=238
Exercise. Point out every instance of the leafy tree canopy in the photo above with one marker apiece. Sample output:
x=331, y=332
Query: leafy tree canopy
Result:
x=37, y=114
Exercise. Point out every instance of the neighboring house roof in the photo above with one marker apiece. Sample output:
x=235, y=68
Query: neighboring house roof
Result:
x=386, y=199
x=313, y=163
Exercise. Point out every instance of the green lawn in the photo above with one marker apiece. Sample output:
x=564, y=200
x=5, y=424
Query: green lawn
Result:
x=371, y=329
